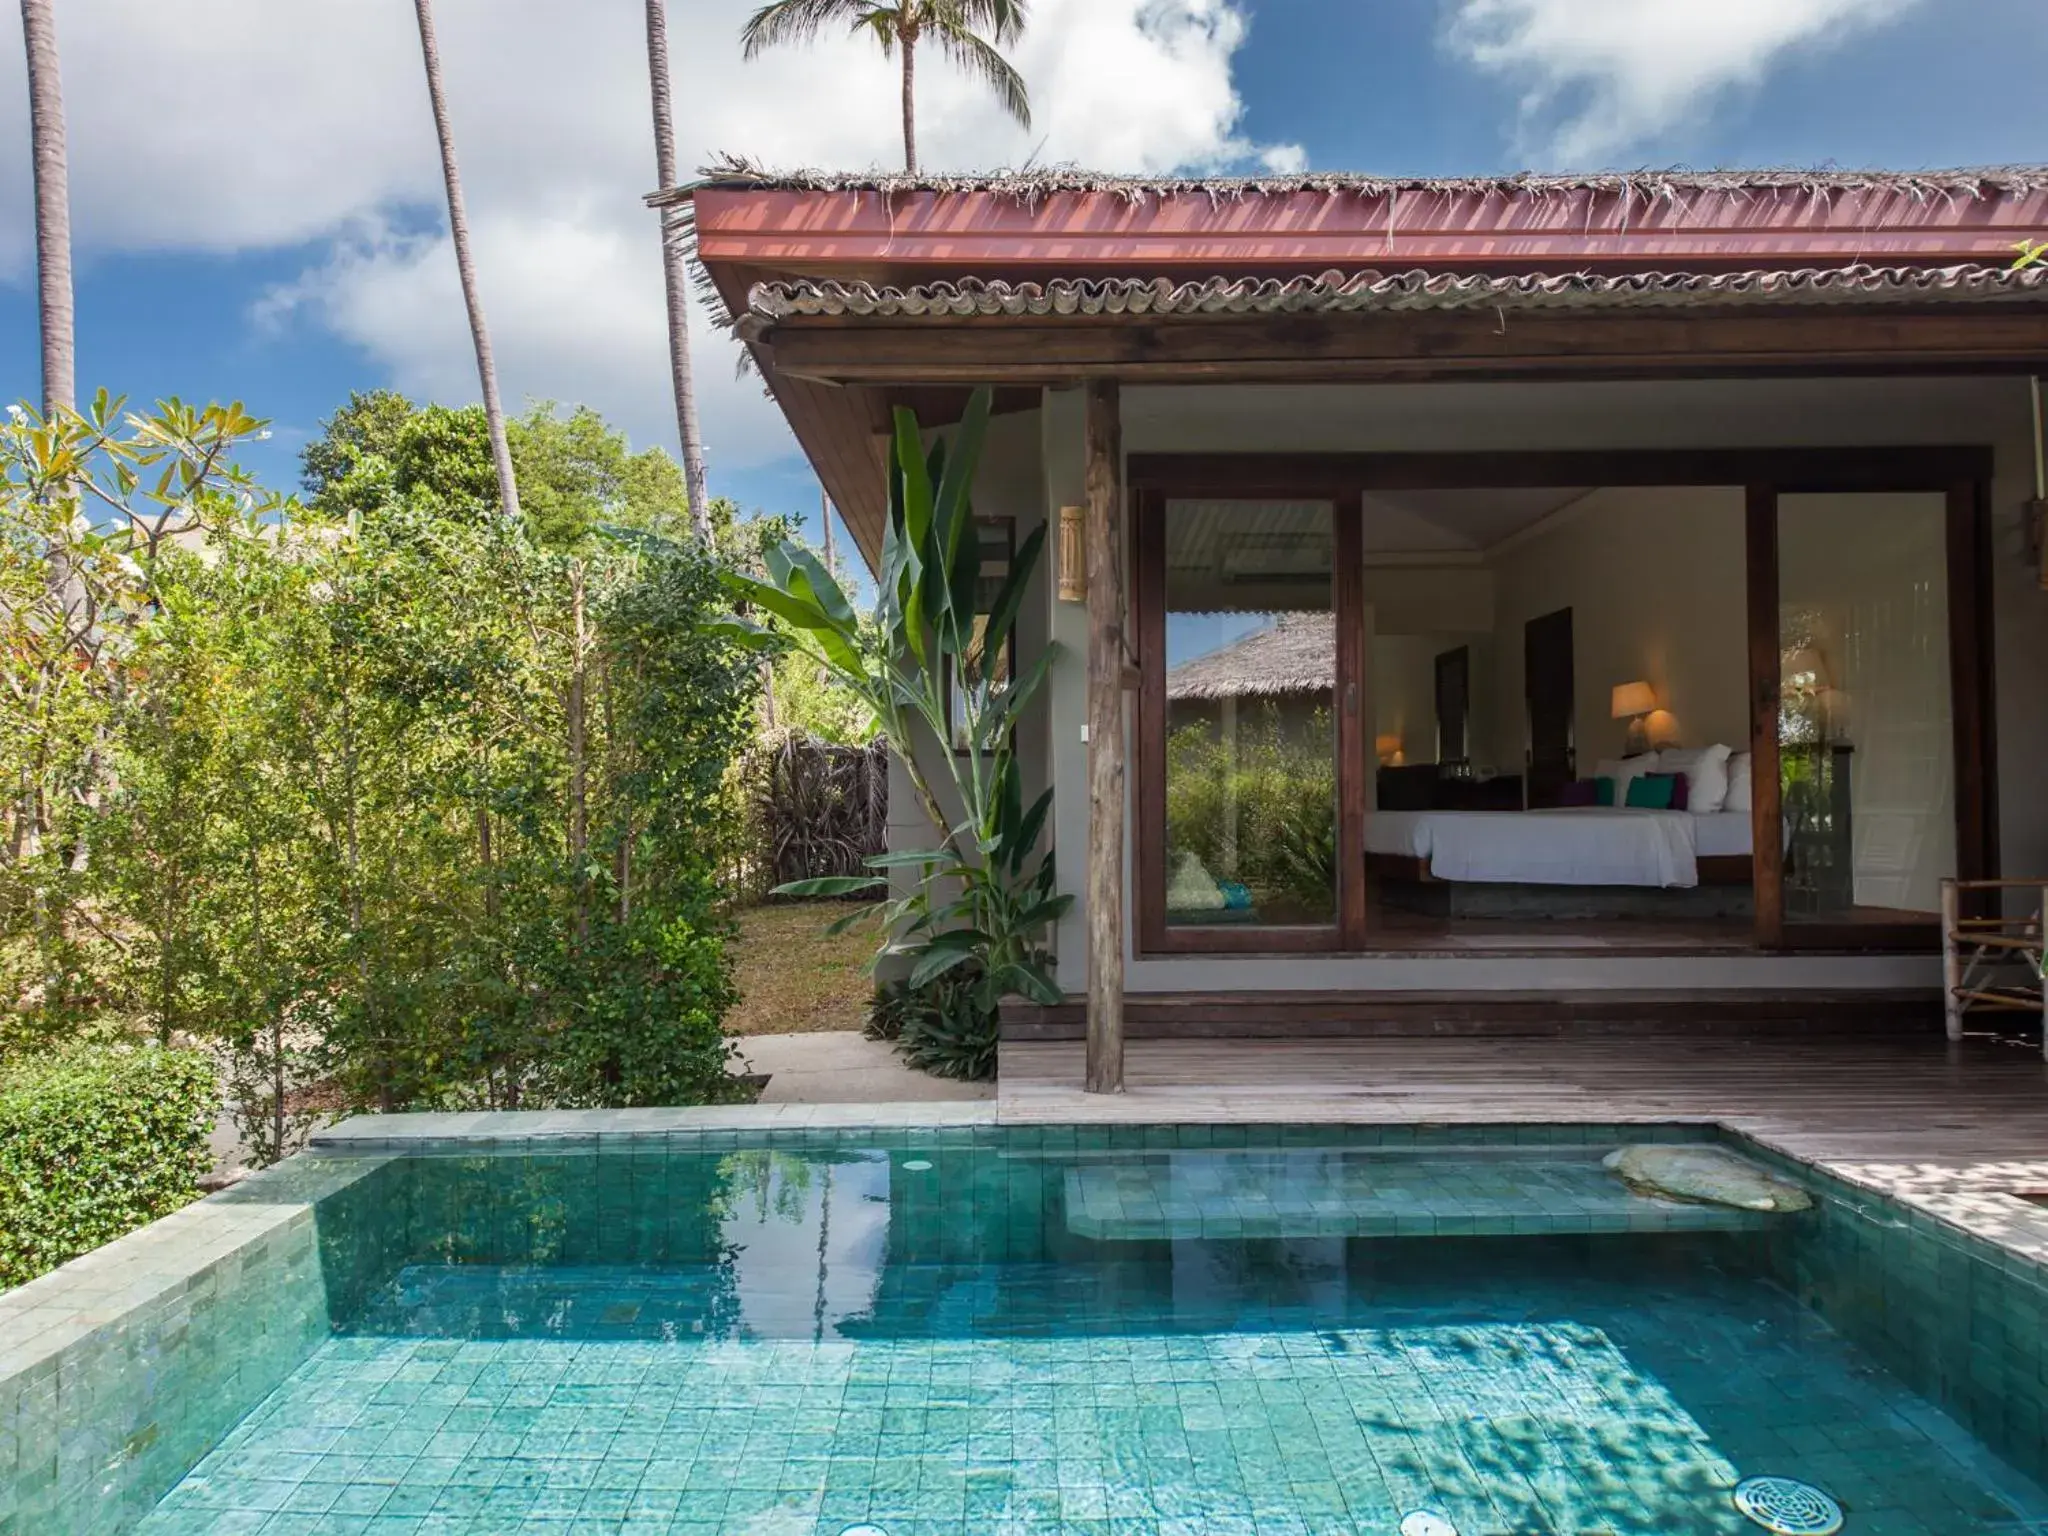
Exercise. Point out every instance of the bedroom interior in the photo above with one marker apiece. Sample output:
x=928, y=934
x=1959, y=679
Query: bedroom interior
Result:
x=1554, y=686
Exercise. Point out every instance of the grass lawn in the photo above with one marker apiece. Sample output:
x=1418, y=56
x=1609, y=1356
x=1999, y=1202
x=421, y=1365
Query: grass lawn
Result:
x=792, y=978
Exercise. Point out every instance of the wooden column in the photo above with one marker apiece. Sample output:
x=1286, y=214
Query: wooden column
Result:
x=1767, y=822
x=1105, y=884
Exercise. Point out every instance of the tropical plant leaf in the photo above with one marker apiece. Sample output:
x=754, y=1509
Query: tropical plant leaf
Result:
x=935, y=962
x=1028, y=828
x=828, y=885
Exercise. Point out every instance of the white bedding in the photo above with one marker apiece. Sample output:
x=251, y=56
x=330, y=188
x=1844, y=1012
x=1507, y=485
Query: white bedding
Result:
x=1578, y=846
x=1723, y=835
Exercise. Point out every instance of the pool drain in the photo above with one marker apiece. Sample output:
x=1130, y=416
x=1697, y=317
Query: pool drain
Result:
x=1426, y=1522
x=1788, y=1507
x=911, y=1165
x=863, y=1530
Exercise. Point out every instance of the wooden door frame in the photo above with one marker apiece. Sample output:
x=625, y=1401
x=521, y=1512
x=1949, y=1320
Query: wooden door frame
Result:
x=1961, y=472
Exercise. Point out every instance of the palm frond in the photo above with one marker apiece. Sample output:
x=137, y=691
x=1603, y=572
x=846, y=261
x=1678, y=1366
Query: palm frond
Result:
x=978, y=56
x=798, y=21
x=885, y=21
x=1000, y=21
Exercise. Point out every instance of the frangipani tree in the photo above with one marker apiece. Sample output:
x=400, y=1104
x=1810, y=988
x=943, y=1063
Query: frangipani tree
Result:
x=984, y=897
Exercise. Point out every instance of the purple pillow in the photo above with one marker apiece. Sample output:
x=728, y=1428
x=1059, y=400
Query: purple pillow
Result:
x=1681, y=791
x=1579, y=792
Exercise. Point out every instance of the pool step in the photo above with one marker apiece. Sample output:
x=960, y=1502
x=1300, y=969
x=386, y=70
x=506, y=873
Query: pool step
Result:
x=1353, y=1193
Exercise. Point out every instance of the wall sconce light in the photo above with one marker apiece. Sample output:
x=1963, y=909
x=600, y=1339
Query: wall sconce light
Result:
x=1633, y=702
x=1073, y=572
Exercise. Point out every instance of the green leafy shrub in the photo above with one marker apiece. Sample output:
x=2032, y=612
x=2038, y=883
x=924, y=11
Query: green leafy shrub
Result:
x=886, y=1010
x=945, y=1027
x=1278, y=784
x=96, y=1141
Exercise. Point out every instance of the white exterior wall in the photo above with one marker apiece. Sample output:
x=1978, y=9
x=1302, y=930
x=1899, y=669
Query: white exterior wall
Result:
x=1506, y=417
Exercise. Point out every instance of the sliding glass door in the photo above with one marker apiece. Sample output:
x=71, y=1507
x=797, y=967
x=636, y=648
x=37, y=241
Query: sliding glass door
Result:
x=1870, y=696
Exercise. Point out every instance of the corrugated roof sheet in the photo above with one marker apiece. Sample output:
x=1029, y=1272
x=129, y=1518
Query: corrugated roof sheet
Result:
x=1360, y=292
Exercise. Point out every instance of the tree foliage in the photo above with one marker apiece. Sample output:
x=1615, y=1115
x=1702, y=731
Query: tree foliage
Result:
x=382, y=792
x=95, y=1141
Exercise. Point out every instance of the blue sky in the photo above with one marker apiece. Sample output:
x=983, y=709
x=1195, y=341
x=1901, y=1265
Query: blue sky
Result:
x=256, y=204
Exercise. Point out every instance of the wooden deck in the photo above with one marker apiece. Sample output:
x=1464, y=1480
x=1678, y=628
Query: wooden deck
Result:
x=1954, y=1128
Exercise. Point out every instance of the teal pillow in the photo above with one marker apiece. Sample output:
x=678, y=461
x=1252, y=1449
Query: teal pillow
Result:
x=1603, y=791
x=1650, y=792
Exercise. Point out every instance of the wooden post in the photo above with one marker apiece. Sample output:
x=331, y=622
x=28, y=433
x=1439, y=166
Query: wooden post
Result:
x=1105, y=884
x=1767, y=788
x=1951, y=961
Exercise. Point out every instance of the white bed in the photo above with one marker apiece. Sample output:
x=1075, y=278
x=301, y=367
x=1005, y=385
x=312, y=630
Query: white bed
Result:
x=1579, y=846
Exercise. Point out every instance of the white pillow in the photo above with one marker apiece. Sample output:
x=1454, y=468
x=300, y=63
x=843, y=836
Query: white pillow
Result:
x=1740, y=777
x=1625, y=769
x=1706, y=776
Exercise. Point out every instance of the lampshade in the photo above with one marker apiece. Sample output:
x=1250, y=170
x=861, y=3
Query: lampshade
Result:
x=1632, y=699
x=1804, y=667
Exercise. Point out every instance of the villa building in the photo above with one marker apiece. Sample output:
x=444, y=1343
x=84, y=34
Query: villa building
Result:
x=1495, y=601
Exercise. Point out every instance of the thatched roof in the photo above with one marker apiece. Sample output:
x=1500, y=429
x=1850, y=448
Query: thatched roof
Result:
x=1341, y=293
x=1297, y=654
x=1673, y=185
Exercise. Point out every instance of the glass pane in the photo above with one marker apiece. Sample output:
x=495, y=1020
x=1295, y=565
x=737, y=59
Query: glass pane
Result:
x=1864, y=708
x=997, y=534
x=1251, y=739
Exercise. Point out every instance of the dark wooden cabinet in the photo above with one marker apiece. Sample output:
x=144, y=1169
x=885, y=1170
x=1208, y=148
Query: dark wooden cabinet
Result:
x=1820, y=849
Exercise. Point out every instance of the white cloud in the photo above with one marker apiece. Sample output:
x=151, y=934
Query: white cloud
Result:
x=1603, y=76
x=236, y=125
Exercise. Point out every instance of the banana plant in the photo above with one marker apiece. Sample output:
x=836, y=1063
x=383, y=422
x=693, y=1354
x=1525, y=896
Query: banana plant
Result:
x=983, y=897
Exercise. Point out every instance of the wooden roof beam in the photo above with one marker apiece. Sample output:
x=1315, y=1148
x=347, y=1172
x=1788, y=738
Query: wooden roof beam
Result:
x=1367, y=348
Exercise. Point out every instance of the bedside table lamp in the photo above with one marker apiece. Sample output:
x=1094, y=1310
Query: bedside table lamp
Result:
x=1633, y=702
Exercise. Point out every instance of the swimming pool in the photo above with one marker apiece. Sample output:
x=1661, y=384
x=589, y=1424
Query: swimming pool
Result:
x=1149, y=1330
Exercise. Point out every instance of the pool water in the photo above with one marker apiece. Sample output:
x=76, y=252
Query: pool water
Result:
x=996, y=1335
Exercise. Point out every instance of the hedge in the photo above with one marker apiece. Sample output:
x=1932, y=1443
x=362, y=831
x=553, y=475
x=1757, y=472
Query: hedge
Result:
x=96, y=1141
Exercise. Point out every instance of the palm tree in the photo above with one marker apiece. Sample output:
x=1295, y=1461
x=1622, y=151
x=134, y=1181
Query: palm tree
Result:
x=955, y=27
x=673, y=260
x=465, y=266
x=53, y=206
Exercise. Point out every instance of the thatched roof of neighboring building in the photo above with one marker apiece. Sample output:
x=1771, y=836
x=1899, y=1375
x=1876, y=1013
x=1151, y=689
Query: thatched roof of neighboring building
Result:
x=1297, y=654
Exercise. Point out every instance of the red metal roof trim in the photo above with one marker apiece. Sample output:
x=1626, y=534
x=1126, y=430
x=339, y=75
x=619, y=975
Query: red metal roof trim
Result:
x=954, y=228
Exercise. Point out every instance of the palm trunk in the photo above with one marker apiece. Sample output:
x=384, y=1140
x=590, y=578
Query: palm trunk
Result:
x=53, y=206
x=910, y=103
x=579, y=822
x=675, y=274
x=465, y=266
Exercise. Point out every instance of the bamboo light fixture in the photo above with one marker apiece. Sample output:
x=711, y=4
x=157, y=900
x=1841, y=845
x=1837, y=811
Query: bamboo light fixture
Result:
x=1073, y=572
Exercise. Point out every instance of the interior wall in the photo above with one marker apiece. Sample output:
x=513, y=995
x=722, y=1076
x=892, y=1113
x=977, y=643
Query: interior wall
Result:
x=1658, y=587
x=1404, y=694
